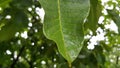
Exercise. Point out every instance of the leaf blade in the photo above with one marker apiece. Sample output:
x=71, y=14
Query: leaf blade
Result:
x=64, y=25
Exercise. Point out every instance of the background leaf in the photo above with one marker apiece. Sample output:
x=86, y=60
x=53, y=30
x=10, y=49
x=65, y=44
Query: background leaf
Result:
x=95, y=13
x=16, y=23
x=115, y=17
x=4, y=3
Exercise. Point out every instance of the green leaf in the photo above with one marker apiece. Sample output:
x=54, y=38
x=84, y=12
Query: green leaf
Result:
x=95, y=13
x=17, y=23
x=115, y=17
x=4, y=3
x=21, y=4
x=64, y=25
x=7, y=32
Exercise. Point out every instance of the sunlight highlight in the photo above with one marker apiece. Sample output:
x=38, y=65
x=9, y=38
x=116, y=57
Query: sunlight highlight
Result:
x=41, y=13
x=24, y=35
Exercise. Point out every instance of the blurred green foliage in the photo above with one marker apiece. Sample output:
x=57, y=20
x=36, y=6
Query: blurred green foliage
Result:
x=36, y=51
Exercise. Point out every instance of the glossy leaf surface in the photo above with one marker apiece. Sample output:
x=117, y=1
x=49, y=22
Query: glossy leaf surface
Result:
x=64, y=24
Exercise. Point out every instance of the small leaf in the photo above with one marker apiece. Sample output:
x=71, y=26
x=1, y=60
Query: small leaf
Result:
x=95, y=13
x=115, y=16
x=64, y=25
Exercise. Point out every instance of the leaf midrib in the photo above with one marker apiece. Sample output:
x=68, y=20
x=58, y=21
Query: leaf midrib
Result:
x=59, y=14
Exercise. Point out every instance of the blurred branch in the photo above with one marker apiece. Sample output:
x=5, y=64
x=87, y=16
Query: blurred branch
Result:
x=15, y=60
x=29, y=62
x=117, y=60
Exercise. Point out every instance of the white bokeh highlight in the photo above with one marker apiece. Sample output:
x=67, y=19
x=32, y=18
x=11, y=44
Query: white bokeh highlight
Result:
x=41, y=13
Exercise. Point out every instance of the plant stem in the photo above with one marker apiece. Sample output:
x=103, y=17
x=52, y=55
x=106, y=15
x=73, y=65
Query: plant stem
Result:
x=117, y=59
x=70, y=66
x=15, y=60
